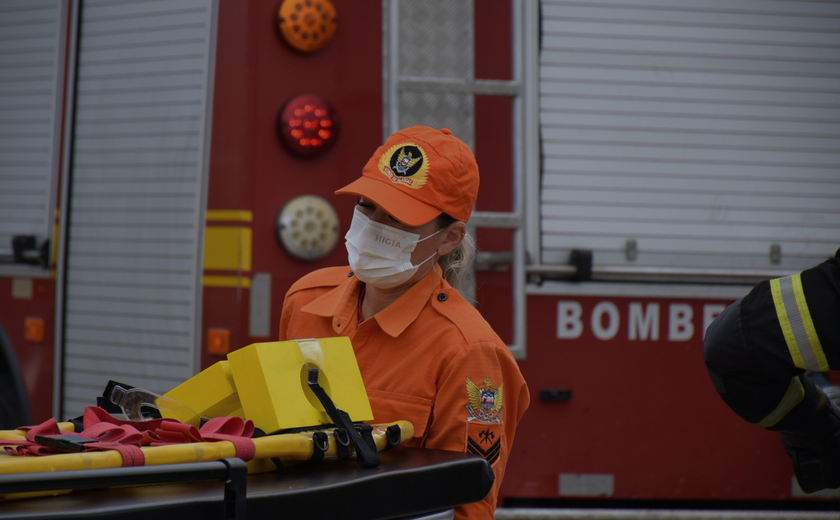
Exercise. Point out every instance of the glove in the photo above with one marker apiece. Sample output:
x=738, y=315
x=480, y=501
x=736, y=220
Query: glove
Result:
x=832, y=392
x=815, y=450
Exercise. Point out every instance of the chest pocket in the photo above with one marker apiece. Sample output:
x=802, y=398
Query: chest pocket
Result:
x=389, y=407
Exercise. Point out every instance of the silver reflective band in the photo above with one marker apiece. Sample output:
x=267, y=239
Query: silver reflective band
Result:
x=795, y=321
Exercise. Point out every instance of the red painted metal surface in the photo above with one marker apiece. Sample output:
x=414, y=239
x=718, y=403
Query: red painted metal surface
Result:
x=494, y=154
x=642, y=410
x=250, y=169
x=34, y=358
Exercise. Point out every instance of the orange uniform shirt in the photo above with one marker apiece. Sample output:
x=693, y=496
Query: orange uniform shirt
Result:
x=429, y=358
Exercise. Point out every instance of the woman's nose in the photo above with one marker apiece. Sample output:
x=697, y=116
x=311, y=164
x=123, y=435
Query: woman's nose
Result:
x=380, y=216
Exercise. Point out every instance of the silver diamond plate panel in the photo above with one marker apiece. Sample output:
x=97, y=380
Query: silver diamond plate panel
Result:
x=440, y=110
x=436, y=38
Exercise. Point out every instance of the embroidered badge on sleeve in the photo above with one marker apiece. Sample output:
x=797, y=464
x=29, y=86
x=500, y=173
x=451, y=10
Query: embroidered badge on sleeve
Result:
x=485, y=440
x=485, y=403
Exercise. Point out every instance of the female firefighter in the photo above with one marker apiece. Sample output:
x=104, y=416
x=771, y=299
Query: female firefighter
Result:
x=425, y=354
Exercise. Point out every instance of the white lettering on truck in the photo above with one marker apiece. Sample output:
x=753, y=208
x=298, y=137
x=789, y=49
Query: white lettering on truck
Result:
x=569, y=325
x=643, y=325
x=642, y=320
x=680, y=327
x=608, y=332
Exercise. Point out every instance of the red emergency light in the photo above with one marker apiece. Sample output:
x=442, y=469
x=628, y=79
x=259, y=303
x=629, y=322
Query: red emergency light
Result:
x=308, y=125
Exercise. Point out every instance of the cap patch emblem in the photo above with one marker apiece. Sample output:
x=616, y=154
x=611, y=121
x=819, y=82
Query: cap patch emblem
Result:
x=485, y=403
x=405, y=163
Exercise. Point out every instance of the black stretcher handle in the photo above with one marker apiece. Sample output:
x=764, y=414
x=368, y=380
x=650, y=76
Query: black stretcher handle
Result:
x=365, y=456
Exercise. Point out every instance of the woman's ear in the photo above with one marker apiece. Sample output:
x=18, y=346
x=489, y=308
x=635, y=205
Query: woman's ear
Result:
x=453, y=235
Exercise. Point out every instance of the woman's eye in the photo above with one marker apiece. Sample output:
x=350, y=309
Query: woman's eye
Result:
x=366, y=207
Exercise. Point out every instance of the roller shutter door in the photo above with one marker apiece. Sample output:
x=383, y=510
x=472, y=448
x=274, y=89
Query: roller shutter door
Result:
x=31, y=86
x=691, y=134
x=137, y=196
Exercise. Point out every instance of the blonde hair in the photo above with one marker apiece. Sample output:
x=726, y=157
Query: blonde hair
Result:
x=456, y=264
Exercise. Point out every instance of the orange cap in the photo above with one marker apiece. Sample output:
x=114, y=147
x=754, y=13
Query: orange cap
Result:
x=418, y=174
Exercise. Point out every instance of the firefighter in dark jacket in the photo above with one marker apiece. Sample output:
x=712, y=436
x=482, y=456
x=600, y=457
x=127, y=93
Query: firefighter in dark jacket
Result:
x=757, y=353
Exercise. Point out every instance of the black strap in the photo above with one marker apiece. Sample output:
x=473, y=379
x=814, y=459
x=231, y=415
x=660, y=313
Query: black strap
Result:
x=104, y=401
x=342, y=440
x=320, y=444
x=69, y=442
x=281, y=468
x=78, y=424
x=366, y=431
x=107, y=405
x=365, y=456
x=393, y=436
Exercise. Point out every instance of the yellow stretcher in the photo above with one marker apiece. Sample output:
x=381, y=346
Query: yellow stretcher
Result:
x=290, y=448
x=279, y=386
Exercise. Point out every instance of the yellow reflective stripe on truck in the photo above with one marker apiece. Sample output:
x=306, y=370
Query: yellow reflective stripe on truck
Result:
x=797, y=326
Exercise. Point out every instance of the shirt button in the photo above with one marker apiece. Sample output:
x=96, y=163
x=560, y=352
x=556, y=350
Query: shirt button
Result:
x=442, y=297
x=349, y=274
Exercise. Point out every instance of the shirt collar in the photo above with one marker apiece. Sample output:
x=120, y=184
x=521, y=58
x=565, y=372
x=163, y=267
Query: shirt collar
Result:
x=338, y=303
x=341, y=304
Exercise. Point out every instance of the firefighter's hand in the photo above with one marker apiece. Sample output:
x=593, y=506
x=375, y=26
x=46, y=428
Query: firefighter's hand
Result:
x=815, y=449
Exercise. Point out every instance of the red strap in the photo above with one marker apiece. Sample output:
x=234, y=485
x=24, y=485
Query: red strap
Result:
x=126, y=437
x=111, y=433
x=30, y=447
x=177, y=433
x=233, y=429
x=49, y=427
x=131, y=455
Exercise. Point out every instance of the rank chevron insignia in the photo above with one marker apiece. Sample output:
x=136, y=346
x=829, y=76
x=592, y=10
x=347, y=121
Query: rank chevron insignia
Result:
x=491, y=453
x=485, y=403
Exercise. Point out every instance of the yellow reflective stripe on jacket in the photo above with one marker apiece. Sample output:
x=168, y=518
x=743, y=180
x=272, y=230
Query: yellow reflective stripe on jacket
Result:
x=797, y=327
x=793, y=396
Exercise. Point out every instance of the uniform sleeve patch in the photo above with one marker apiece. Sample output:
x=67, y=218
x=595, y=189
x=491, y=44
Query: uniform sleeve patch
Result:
x=485, y=404
x=484, y=440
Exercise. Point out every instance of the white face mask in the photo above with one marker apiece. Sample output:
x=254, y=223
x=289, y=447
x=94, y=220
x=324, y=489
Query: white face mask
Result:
x=380, y=255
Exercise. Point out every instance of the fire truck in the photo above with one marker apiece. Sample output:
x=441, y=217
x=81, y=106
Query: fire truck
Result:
x=168, y=167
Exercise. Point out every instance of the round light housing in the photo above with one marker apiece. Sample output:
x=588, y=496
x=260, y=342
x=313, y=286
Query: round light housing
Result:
x=308, y=125
x=307, y=25
x=307, y=227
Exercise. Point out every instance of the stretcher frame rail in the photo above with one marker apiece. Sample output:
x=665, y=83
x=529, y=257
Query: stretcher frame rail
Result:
x=233, y=472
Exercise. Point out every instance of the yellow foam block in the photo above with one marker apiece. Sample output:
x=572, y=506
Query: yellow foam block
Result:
x=271, y=380
x=211, y=393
